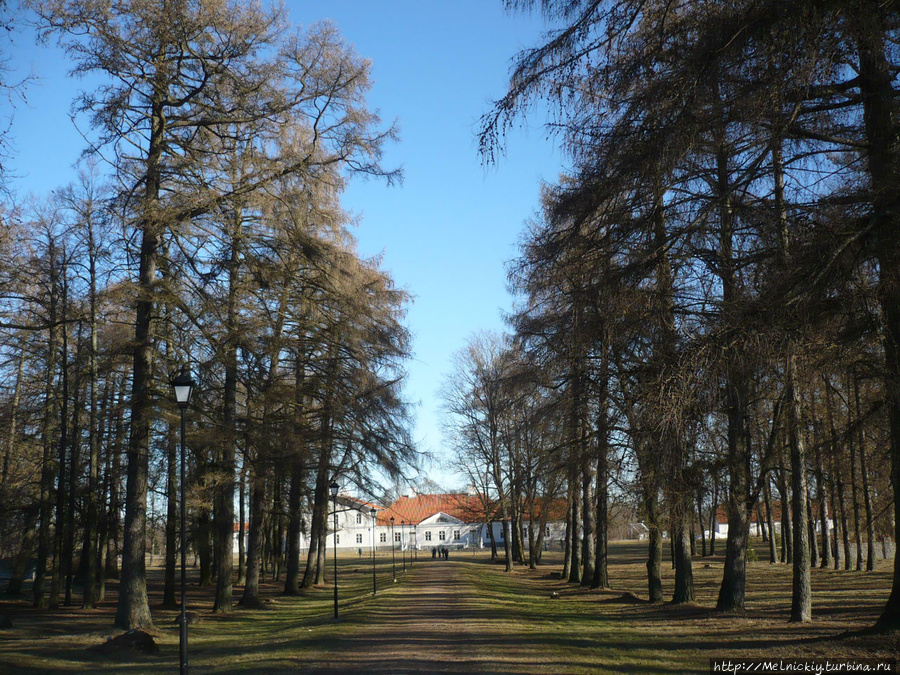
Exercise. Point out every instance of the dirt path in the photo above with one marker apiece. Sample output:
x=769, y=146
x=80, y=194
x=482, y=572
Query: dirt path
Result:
x=420, y=626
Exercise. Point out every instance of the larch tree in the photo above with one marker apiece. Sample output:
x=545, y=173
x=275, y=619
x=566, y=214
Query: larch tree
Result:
x=178, y=72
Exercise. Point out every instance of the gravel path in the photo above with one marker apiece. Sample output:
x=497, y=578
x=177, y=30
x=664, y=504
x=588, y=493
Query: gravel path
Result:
x=422, y=625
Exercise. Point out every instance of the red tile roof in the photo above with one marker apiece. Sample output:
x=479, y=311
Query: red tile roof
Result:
x=413, y=510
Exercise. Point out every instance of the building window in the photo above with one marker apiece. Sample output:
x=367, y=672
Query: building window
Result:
x=337, y=539
x=382, y=537
x=456, y=535
x=359, y=539
x=427, y=535
x=442, y=535
x=359, y=518
x=396, y=536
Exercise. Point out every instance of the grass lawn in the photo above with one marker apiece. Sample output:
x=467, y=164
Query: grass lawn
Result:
x=467, y=615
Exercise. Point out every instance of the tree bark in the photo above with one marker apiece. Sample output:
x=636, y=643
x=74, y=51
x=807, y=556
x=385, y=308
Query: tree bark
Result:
x=242, y=522
x=114, y=469
x=133, y=609
x=864, y=476
x=313, y=574
x=702, y=522
x=883, y=154
x=773, y=547
x=684, y=574
x=575, y=526
x=654, y=544
x=250, y=598
x=295, y=500
x=567, y=552
x=787, y=529
x=172, y=516
x=203, y=542
x=801, y=593
x=589, y=512
x=93, y=511
x=48, y=465
x=732, y=589
x=601, y=565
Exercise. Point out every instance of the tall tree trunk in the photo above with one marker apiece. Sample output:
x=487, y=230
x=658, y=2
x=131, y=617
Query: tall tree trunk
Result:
x=589, y=513
x=313, y=573
x=493, y=539
x=854, y=442
x=701, y=521
x=64, y=481
x=321, y=563
x=575, y=525
x=714, y=516
x=835, y=544
x=49, y=467
x=114, y=469
x=567, y=552
x=761, y=529
x=684, y=574
x=93, y=512
x=870, y=516
x=883, y=154
x=801, y=596
x=204, y=546
x=811, y=526
x=734, y=579
x=250, y=598
x=681, y=516
x=822, y=499
x=773, y=551
x=601, y=565
x=864, y=477
x=74, y=473
x=9, y=446
x=242, y=522
x=172, y=515
x=835, y=483
x=801, y=593
x=295, y=499
x=224, y=513
x=534, y=543
x=787, y=529
x=133, y=609
x=842, y=512
x=654, y=548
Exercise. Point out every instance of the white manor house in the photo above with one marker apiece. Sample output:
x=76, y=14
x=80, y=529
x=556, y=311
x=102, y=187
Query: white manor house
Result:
x=420, y=522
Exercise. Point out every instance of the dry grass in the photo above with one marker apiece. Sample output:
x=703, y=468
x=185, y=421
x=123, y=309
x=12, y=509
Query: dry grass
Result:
x=468, y=616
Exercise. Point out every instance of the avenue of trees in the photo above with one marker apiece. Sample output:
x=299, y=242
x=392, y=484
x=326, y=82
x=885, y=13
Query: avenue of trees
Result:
x=708, y=303
x=204, y=230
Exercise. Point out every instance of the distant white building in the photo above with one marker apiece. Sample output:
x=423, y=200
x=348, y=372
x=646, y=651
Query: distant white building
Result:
x=420, y=522
x=757, y=526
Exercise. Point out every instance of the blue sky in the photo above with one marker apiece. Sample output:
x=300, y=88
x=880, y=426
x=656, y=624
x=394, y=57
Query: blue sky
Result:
x=446, y=232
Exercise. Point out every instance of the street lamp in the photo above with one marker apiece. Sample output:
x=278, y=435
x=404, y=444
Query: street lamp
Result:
x=403, y=541
x=183, y=385
x=374, y=577
x=415, y=554
x=393, y=552
x=334, y=487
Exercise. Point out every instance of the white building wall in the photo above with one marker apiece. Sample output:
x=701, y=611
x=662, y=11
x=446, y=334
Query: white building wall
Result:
x=354, y=532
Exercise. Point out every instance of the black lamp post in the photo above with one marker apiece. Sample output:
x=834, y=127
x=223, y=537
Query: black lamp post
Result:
x=393, y=552
x=402, y=542
x=374, y=577
x=415, y=554
x=334, y=487
x=183, y=386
